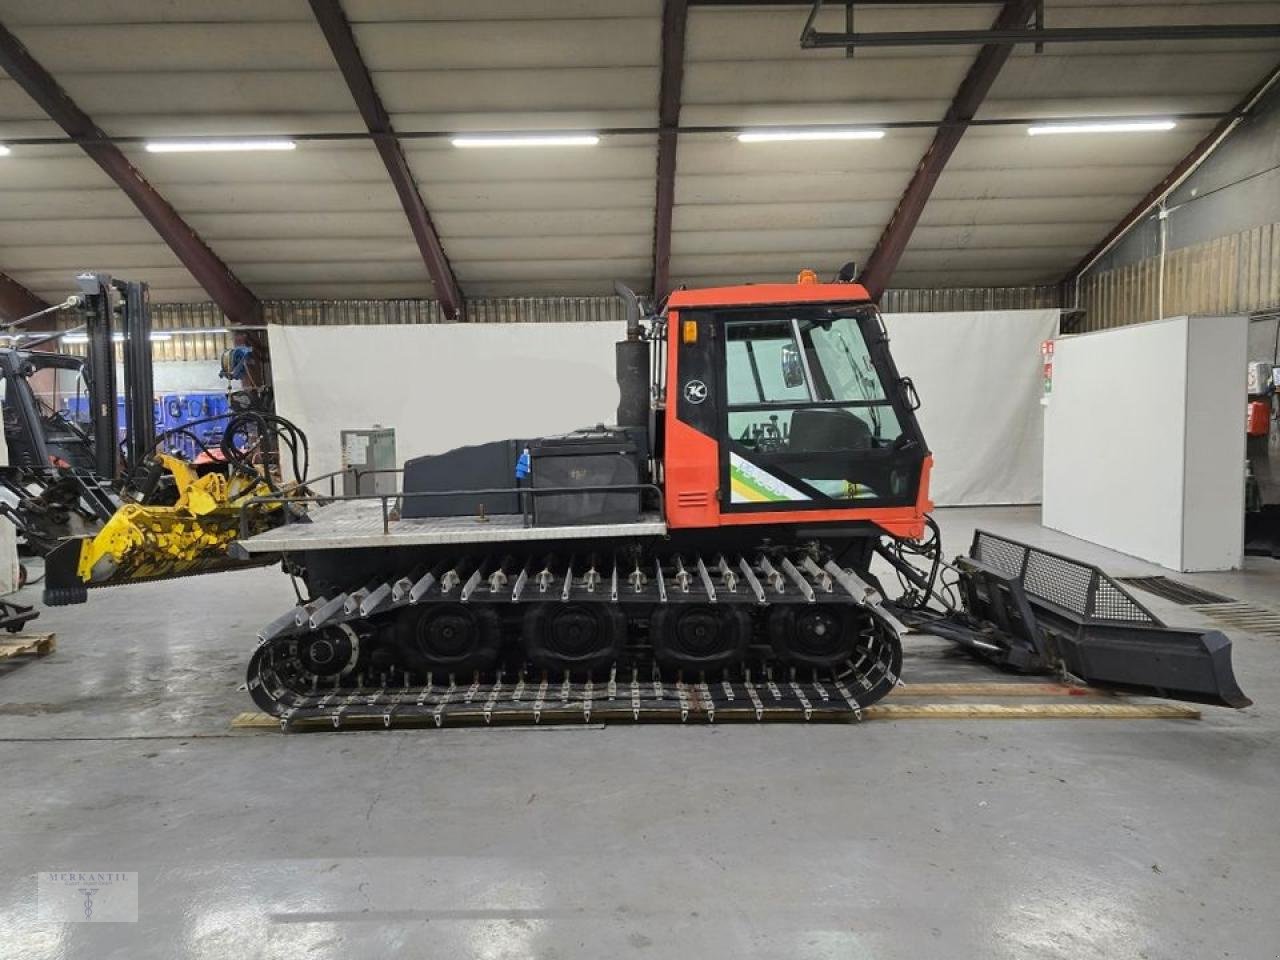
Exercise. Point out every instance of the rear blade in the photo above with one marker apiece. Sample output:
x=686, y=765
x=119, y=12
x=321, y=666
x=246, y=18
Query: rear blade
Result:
x=1030, y=609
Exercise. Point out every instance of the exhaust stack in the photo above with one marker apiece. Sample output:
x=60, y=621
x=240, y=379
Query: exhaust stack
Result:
x=632, y=366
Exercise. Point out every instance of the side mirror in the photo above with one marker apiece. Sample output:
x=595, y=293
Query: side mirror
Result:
x=792, y=368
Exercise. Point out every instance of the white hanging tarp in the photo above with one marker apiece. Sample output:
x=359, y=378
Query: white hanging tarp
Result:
x=980, y=381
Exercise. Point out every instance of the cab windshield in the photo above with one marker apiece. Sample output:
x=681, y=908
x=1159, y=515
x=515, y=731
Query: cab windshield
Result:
x=792, y=359
x=787, y=359
x=808, y=405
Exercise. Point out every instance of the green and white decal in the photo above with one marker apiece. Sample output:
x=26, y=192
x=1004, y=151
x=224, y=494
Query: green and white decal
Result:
x=749, y=483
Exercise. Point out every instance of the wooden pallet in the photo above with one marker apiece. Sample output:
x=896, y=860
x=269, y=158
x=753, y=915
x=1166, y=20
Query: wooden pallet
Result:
x=953, y=707
x=24, y=645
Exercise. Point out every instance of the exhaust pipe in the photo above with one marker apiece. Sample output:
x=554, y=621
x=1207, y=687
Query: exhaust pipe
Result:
x=632, y=365
x=633, y=309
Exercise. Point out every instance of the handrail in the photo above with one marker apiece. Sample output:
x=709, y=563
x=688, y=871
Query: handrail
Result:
x=385, y=498
x=355, y=471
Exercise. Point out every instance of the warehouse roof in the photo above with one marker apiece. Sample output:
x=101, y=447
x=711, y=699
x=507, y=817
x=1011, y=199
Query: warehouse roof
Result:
x=324, y=220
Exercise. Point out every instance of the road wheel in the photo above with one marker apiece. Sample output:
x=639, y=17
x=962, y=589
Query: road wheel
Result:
x=699, y=636
x=450, y=637
x=574, y=637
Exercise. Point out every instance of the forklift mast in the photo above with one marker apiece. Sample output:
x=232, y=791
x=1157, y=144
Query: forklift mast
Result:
x=104, y=300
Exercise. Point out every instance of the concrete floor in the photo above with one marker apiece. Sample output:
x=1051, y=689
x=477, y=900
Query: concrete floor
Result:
x=968, y=839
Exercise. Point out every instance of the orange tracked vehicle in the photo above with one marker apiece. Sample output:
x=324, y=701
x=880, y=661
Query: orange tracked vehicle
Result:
x=709, y=555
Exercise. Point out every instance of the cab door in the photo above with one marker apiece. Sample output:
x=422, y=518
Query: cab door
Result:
x=813, y=418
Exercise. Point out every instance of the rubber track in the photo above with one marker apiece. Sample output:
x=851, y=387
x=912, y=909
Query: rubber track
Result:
x=634, y=694
x=635, y=689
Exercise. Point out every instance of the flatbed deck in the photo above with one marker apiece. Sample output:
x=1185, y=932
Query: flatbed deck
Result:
x=358, y=523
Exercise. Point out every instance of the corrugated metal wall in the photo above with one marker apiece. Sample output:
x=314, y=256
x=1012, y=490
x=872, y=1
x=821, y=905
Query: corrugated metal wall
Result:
x=1233, y=274
x=176, y=325
x=545, y=309
x=304, y=313
x=973, y=298
x=186, y=317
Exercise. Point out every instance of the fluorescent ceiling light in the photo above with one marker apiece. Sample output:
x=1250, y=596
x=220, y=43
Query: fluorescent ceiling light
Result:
x=4, y=151
x=216, y=146
x=115, y=337
x=197, y=332
x=1102, y=126
x=529, y=140
x=781, y=136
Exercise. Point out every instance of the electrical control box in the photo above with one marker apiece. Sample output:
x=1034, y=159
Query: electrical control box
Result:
x=366, y=450
x=1261, y=377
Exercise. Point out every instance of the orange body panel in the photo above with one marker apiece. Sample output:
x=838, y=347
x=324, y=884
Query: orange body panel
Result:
x=692, y=459
x=1259, y=423
x=769, y=294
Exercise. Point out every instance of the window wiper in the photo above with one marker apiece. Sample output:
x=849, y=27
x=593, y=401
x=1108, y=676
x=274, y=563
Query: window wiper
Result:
x=865, y=383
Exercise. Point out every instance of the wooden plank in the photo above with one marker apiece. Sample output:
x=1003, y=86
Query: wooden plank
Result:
x=997, y=689
x=253, y=720
x=1030, y=711
x=36, y=644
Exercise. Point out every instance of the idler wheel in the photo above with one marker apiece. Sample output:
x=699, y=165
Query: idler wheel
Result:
x=453, y=637
x=329, y=652
x=574, y=637
x=830, y=637
x=699, y=636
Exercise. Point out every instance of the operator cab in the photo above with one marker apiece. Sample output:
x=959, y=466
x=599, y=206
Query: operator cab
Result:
x=783, y=401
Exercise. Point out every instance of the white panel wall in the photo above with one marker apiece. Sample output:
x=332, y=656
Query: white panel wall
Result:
x=1144, y=441
x=1213, y=492
x=441, y=386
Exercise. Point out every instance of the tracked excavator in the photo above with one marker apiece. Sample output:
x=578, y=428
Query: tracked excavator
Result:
x=720, y=552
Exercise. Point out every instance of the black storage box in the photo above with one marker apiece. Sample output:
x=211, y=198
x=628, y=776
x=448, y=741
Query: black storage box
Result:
x=585, y=458
x=485, y=466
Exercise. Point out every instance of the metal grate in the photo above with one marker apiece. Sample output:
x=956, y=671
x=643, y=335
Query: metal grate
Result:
x=1176, y=591
x=1079, y=588
x=1059, y=581
x=1110, y=602
x=1245, y=617
x=1006, y=556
